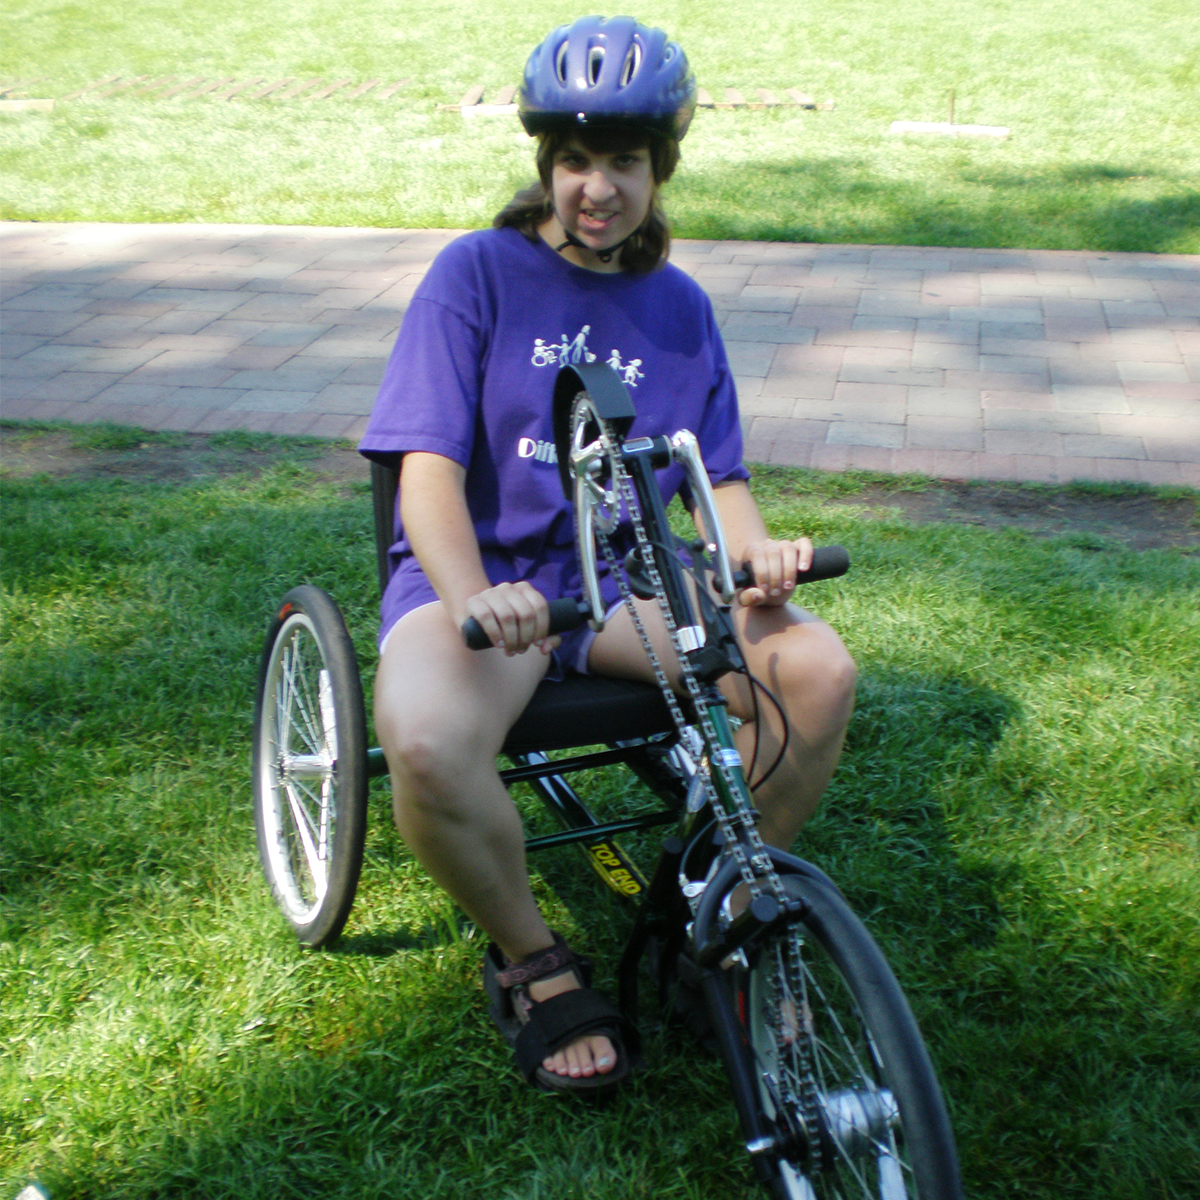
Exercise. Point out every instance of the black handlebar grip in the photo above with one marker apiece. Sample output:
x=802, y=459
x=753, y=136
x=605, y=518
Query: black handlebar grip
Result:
x=828, y=562
x=565, y=614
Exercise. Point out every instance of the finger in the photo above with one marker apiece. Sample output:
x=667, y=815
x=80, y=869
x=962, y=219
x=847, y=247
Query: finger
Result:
x=520, y=623
x=783, y=557
x=774, y=570
x=804, y=548
x=525, y=615
x=495, y=612
x=541, y=611
x=760, y=571
x=478, y=608
x=772, y=577
x=534, y=616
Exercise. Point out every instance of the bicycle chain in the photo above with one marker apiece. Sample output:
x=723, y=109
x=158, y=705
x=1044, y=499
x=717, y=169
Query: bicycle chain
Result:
x=806, y=1103
x=758, y=856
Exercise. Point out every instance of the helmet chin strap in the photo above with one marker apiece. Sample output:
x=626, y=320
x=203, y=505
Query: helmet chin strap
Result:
x=605, y=256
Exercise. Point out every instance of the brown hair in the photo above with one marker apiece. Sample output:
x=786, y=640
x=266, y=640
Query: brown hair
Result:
x=532, y=206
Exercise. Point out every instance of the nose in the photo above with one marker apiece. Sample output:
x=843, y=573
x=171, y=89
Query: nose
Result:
x=598, y=186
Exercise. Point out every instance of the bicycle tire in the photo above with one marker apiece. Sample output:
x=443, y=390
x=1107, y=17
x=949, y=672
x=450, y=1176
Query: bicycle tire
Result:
x=310, y=765
x=843, y=1073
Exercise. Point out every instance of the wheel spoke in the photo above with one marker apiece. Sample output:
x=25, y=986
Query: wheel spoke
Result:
x=300, y=698
x=309, y=836
x=859, y=1118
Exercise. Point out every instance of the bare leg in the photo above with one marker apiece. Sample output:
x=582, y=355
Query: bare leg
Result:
x=803, y=663
x=807, y=669
x=442, y=713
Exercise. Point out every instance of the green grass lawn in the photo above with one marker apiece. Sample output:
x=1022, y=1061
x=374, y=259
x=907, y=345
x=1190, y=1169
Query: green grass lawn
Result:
x=1016, y=815
x=1101, y=101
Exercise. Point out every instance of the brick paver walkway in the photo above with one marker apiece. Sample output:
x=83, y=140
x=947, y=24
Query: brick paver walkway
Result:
x=1028, y=365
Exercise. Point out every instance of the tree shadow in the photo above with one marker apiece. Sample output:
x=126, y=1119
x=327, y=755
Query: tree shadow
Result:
x=882, y=831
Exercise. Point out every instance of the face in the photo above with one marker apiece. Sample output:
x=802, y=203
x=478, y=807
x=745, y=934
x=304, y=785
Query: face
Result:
x=600, y=198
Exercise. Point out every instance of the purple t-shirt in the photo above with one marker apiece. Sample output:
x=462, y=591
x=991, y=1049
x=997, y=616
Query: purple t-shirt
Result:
x=472, y=377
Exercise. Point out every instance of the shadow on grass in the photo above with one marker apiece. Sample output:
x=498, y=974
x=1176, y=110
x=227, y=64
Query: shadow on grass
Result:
x=387, y=1118
x=882, y=832
x=1076, y=206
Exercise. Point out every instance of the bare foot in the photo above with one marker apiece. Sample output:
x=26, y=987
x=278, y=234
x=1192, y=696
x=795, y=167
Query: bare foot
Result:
x=582, y=1059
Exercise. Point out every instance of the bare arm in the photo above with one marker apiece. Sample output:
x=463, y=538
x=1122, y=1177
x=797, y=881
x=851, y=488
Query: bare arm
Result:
x=433, y=508
x=774, y=563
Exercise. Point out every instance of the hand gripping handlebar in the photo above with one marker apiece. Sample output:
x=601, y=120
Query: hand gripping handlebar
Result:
x=566, y=614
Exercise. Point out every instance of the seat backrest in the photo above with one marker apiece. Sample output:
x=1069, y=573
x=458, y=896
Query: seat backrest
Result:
x=385, y=483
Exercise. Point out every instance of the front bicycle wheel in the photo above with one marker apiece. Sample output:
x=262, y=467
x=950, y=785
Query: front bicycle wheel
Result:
x=843, y=1074
x=310, y=765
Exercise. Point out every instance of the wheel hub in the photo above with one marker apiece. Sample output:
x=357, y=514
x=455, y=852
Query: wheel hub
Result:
x=857, y=1124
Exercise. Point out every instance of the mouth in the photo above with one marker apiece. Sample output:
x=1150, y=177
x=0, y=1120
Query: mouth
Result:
x=596, y=221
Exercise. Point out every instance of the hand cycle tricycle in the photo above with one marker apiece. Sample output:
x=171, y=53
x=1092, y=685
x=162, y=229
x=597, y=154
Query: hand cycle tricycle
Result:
x=831, y=1080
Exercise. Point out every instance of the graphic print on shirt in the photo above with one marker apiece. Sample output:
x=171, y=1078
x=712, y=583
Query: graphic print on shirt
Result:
x=567, y=351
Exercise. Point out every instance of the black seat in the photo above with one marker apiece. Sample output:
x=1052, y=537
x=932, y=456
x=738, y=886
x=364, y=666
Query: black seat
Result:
x=588, y=710
x=581, y=710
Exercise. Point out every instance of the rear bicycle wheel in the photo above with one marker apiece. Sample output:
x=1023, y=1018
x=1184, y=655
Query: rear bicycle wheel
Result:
x=310, y=760
x=843, y=1074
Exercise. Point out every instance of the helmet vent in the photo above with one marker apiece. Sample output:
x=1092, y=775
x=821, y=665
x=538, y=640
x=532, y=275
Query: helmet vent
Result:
x=633, y=60
x=595, y=63
x=560, y=63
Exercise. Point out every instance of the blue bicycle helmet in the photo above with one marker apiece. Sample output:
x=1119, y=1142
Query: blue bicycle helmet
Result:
x=607, y=72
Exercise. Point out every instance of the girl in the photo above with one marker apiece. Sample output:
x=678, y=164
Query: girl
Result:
x=577, y=263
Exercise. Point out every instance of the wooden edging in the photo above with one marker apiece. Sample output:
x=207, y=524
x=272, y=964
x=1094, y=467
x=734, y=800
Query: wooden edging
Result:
x=472, y=102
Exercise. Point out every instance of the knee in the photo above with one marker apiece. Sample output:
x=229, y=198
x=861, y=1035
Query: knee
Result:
x=837, y=674
x=815, y=673
x=424, y=758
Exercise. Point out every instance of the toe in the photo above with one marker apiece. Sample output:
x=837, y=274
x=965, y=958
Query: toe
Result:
x=557, y=1064
x=583, y=1059
x=604, y=1057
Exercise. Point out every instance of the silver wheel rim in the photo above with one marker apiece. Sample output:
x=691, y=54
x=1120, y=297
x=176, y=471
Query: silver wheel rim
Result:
x=298, y=755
